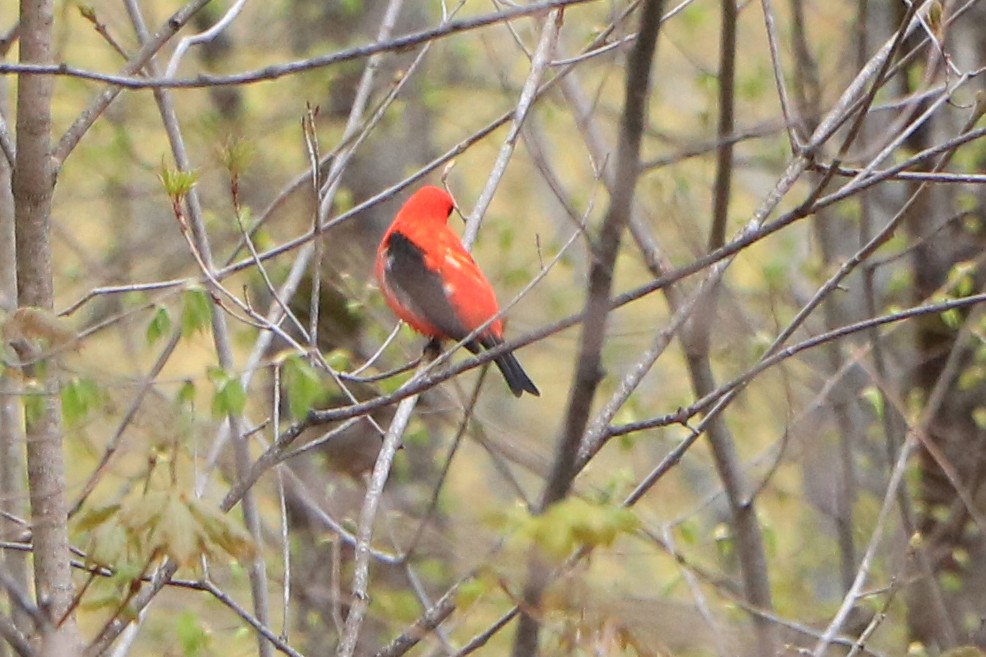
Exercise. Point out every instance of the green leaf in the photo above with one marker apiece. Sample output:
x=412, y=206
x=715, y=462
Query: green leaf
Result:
x=951, y=582
x=236, y=155
x=688, y=531
x=175, y=532
x=105, y=598
x=186, y=393
x=140, y=516
x=196, y=311
x=724, y=540
x=872, y=395
x=961, y=278
x=952, y=318
x=177, y=183
x=338, y=359
x=217, y=375
x=92, y=518
x=80, y=396
x=971, y=377
x=775, y=273
x=221, y=530
x=108, y=546
x=159, y=325
x=470, y=591
x=87, y=12
x=126, y=573
x=230, y=398
x=302, y=384
x=979, y=417
x=351, y=7
x=192, y=636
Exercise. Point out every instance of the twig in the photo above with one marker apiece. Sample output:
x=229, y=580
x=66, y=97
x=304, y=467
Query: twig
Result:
x=422, y=171
x=254, y=622
x=361, y=561
x=21, y=600
x=852, y=595
x=273, y=455
x=775, y=61
x=274, y=316
x=126, y=640
x=202, y=37
x=446, y=466
x=706, y=403
x=545, y=48
x=13, y=637
x=376, y=354
x=310, y=133
x=700, y=602
x=122, y=289
x=89, y=13
x=300, y=491
x=114, y=443
x=283, y=508
x=128, y=80
x=941, y=177
x=151, y=45
x=6, y=143
x=480, y=639
x=327, y=192
x=431, y=619
x=285, y=310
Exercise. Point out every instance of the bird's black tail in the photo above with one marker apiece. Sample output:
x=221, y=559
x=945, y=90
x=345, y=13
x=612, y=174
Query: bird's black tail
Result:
x=515, y=376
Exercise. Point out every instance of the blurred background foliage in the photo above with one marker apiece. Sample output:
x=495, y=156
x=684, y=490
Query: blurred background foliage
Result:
x=662, y=579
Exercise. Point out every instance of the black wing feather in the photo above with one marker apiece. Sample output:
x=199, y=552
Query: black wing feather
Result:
x=420, y=289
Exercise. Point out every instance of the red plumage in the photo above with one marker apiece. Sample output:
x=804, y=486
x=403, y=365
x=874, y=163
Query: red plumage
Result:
x=431, y=282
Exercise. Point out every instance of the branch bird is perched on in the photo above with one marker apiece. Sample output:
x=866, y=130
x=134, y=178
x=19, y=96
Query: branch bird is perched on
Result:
x=431, y=282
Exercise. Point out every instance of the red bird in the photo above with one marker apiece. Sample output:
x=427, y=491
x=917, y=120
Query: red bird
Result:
x=431, y=282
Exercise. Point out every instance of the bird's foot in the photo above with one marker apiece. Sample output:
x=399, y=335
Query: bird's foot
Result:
x=432, y=350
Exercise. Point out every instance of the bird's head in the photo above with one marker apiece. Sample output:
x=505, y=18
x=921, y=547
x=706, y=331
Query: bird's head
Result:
x=427, y=205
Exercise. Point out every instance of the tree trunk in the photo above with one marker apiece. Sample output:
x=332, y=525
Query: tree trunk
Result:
x=33, y=188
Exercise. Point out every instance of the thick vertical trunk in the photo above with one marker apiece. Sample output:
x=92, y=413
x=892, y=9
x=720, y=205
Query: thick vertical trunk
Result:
x=33, y=188
x=12, y=492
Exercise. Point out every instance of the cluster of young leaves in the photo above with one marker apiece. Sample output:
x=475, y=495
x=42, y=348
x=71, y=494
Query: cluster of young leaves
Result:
x=570, y=524
x=301, y=382
x=196, y=312
x=161, y=520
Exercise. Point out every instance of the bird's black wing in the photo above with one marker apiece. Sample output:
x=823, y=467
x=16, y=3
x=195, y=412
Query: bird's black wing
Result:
x=418, y=288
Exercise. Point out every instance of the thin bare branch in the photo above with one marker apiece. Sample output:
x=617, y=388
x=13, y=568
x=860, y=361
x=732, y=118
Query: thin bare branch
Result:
x=361, y=566
x=151, y=45
x=203, y=37
x=127, y=80
x=539, y=63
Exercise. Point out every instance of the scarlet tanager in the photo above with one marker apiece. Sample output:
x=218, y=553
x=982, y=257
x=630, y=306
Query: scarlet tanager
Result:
x=431, y=282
